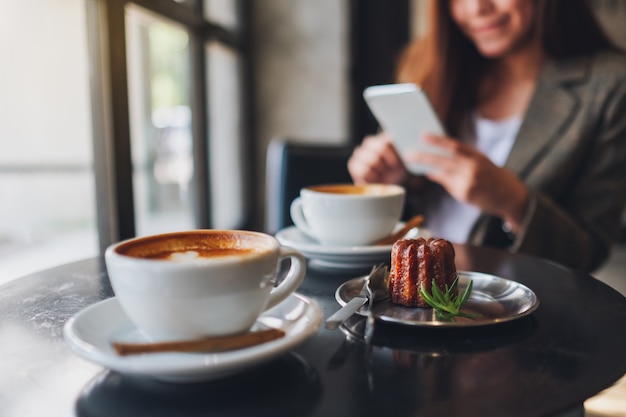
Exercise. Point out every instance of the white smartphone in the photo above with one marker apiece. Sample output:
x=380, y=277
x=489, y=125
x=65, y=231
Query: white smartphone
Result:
x=405, y=113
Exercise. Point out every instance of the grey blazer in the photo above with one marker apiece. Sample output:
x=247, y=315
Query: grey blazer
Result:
x=571, y=153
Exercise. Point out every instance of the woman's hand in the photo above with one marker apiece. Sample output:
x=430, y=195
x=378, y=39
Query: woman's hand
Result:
x=377, y=161
x=470, y=177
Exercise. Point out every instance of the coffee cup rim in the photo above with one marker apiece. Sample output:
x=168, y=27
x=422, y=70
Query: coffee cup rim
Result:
x=397, y=189
x=112, y=250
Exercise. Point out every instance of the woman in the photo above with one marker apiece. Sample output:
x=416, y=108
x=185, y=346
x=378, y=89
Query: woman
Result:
x=533, y=98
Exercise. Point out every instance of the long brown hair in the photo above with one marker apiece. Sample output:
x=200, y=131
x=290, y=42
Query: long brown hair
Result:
x=448, y=66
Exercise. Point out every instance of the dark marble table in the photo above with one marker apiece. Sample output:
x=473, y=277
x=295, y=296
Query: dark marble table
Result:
x=548, y=363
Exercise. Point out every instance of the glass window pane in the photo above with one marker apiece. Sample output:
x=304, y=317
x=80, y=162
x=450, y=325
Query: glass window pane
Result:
x=226, y=136
x=222, y=12
x=161, y=140
x=47, y=215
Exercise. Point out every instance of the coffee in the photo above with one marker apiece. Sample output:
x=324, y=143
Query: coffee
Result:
x=190, y=246
x=373, y=189
x=197, y=283
x=347, y=214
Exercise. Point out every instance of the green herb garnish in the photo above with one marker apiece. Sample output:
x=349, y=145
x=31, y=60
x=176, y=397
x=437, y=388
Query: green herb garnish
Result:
x=447, y=304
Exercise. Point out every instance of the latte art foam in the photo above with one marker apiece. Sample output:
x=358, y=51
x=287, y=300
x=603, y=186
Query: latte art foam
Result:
x=184, y=256
x=196, y=246
x=194, y=255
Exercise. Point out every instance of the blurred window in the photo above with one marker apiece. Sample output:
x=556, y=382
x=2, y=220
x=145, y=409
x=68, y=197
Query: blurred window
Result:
x=116, y=118
x=47, y=215
x=223, y=12
x=180, y=158
x=160, y=122
x=227, y=136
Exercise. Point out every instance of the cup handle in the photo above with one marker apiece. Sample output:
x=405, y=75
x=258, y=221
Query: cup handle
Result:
x=297, y=215
x=292, y=280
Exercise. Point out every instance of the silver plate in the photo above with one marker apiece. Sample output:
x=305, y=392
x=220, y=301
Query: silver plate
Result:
x=496, y=299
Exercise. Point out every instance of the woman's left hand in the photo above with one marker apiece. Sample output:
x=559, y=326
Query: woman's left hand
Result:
x=470, y=177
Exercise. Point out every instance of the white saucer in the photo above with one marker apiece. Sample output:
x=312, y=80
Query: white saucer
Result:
x=90, y=332
x=339, y=257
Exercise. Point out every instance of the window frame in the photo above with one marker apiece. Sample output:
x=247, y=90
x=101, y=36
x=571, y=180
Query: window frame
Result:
x=111, y=113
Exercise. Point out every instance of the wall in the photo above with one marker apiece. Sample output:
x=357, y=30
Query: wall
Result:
x=301, y=59
x=301, y=72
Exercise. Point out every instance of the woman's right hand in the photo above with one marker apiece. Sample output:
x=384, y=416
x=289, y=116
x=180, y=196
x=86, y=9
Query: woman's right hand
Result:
x=376, y=160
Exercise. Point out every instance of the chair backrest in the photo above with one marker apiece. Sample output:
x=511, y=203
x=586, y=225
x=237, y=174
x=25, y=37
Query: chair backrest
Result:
x=291, y=165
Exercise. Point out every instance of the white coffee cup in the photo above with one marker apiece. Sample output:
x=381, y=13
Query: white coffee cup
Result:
x=348, y=214
x=198, y=283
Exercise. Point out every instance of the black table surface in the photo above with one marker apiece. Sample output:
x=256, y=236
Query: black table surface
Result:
x=548, y=363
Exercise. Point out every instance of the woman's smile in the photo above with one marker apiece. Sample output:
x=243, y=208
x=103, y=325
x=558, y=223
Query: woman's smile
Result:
x=496, y=27
x=493, y=27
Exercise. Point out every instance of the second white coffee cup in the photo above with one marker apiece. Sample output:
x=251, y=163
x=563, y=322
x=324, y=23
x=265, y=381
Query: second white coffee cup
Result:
x=347, y=214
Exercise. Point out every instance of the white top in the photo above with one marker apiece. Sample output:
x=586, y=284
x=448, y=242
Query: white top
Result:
x=449, y=219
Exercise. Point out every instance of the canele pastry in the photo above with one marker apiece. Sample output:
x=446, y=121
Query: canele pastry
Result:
x=415, y=263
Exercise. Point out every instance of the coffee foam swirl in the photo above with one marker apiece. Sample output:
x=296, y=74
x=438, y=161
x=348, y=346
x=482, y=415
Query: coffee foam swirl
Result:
x=195, y=246
x=195, y=255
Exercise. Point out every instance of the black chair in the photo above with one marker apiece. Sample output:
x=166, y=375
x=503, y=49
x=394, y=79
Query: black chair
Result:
x=291, y=165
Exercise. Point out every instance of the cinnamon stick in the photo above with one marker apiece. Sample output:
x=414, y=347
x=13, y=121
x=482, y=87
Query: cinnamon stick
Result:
x=208, y=344
x=410, y=224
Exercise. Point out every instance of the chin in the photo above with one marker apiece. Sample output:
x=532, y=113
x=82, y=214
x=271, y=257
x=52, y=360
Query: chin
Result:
x=495, y=50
